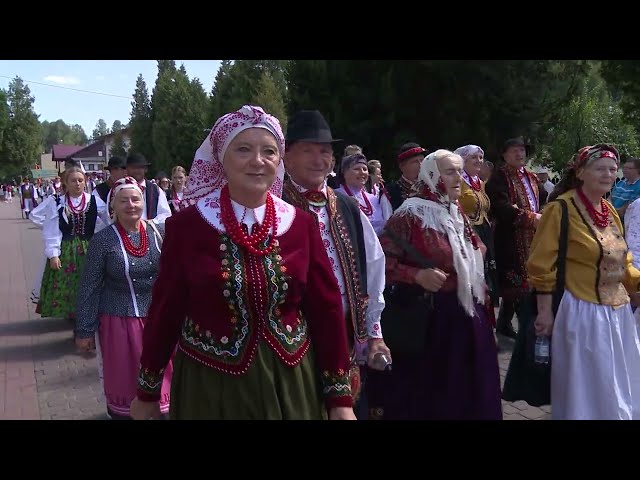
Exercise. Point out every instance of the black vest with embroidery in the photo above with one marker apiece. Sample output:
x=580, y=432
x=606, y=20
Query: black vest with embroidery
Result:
x=81, y=226
x=151, y=196
x=346, y=229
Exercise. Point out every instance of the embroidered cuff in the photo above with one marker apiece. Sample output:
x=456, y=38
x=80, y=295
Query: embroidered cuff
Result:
x=374, y=329
x=149, y=384
x=336, y=388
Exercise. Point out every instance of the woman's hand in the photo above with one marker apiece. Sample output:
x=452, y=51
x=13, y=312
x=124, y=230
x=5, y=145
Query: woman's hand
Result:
x=145, y=410
x=544, y=323
x=86, y=345
x=55, y=264
x=431, y=279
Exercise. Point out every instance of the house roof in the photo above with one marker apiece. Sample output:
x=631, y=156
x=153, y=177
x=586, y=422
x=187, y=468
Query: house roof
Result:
x=90, y=151
x=62, y=152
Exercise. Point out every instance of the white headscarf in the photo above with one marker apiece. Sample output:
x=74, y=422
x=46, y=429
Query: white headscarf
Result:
x=207, y=174
x=443, y=215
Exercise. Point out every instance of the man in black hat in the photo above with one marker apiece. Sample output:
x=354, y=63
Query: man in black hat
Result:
x=409, y=158
x=516, y=202
x=156, y=204
x=351, y=243
x=117, y=167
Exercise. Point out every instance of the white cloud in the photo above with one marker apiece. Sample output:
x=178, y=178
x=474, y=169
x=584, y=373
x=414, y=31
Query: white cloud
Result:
x=100, y=77
x=62, y=80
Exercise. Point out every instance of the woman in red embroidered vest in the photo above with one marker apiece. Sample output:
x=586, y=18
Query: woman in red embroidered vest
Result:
x=175, y=193
x=355, y=172
x=475, y=203
x=246, y=291
x=456, y=376
x=115, y=293
x=595, y=349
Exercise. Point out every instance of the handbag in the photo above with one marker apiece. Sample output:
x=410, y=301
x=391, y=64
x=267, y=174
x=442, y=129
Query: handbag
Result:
x=405, y=317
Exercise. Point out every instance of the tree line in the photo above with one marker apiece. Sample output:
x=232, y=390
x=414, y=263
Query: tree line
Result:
x=557, y=105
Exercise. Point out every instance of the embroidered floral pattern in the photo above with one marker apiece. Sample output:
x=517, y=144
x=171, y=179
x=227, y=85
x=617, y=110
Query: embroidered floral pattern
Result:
x=254, y=288
x=150, y=382
x=225, y=349
x=336, y=384
x=357, y=300
x=290, y=337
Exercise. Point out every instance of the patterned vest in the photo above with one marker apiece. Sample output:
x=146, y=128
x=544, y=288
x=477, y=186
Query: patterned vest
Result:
x=82, y=225
x=348, y=237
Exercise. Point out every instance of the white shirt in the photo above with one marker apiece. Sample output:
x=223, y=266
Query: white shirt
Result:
x=375, y=265
x=103, y=219
x=379, y=216
x=632, y=230
x=46, y=216
x=163, y=210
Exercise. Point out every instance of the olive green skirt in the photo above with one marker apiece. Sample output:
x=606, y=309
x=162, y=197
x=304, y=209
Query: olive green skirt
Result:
x=269, y=390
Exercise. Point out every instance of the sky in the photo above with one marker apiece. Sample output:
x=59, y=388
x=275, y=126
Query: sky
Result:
x=113, y=77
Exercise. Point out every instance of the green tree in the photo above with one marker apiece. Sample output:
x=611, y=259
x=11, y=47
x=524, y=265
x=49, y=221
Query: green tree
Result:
x=592, y=116
x=622, y=77
x=78, y=135
x=440, y=104
x=101, y=130
x=4, y=123
x=270, y=98
x=179, y=109
x=119, y=148
x=140, y=121
x=237, y=84
x=117, y=126
x=4, y=115
x=166, y=66
x=22, y=139
x=219, y=92
x=59, y=132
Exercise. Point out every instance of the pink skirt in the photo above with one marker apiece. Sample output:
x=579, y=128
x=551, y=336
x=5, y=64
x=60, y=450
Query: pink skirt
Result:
x=120, y=348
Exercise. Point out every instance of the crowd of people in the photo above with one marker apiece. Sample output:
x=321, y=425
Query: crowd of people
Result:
x=268, y=281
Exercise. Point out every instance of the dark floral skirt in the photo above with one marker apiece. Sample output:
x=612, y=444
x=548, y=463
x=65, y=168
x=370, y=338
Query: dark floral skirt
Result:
x=59, y=287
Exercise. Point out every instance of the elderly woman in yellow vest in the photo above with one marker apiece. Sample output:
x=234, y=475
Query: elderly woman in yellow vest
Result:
x=595, y=350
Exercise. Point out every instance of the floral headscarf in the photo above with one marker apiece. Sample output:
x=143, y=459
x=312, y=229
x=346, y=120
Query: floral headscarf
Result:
x=207, y=174
x=590, y=153
x=122, y=184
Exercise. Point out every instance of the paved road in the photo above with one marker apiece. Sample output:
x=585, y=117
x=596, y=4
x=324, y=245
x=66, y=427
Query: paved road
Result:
x=41, y=374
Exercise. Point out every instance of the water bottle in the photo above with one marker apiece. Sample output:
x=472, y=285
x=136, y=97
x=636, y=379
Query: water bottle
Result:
x=381, y=362
x=542, y=350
